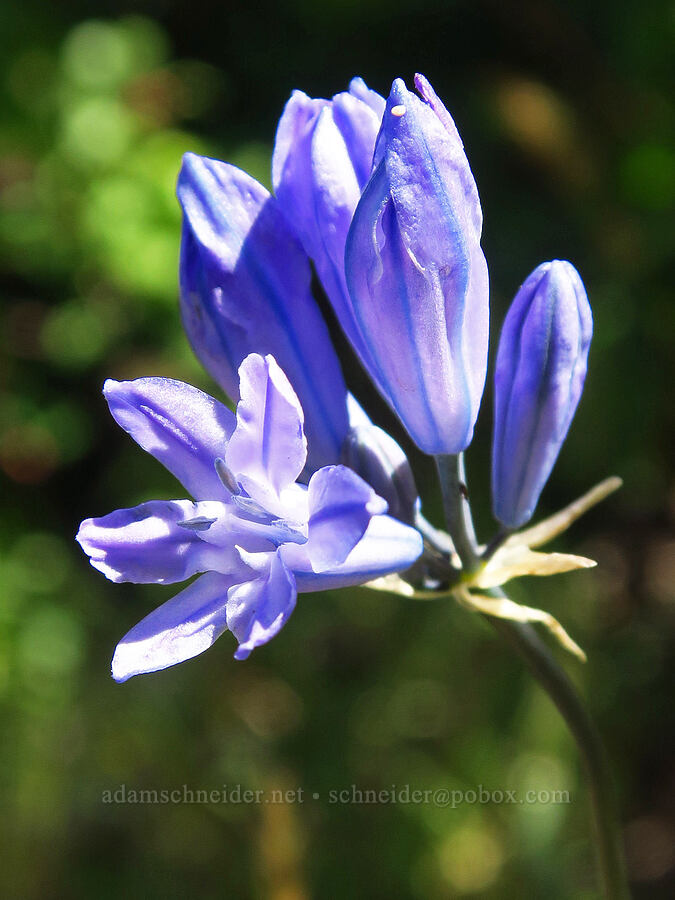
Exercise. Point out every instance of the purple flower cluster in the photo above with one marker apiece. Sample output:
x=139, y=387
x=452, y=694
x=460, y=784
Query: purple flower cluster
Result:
x=292, y=494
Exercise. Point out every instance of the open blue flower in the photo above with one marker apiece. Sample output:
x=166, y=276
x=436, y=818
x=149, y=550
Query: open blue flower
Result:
x=257, y=536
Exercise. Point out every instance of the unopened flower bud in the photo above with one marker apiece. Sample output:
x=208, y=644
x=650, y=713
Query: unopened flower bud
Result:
x=541, y=366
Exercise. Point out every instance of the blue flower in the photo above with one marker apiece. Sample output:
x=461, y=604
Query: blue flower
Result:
x=417, y=276
x=539, y=377
x=256, y=535
x=245, y=275
x=245, y=288
x=323, y=156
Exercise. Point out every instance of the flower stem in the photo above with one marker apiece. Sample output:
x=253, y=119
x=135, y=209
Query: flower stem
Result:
x=553, y=679
x=456, y=507
x=527, y=643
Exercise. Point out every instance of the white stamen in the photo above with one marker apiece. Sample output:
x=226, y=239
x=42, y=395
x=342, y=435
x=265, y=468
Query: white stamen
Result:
x=398, y=111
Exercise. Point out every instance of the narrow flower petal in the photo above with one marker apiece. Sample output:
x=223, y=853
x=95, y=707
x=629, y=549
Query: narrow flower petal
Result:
x=245, y=287
x=387, y=546
x=178, y=424
x=268, y=447
x=292, y=145
x=468, y=185
x=181, y=628
x=149, y=543
x=341, y=506
x=417, y=276
x=358, y=122
x=358, y=88
x=258, y=609
x=539, y=377
x=322, y=158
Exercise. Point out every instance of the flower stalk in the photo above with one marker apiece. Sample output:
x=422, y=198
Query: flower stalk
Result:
x=553, y=679
x=525, y=641
x=456, y=509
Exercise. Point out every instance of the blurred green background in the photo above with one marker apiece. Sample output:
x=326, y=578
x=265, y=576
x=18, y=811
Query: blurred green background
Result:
x=565, y=111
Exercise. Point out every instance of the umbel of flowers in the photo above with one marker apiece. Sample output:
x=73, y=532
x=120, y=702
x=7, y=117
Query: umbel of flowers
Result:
x=299, y=490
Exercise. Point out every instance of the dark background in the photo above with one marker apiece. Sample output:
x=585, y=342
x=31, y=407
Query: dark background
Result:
x=565, y=114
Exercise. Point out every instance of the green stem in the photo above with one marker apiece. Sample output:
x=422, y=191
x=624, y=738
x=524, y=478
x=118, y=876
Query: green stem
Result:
x=527, y=643
x=553, y=679
x=456, y=508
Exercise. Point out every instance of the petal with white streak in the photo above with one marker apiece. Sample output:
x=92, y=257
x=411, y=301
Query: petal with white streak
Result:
x=181, y=426
x=181, y=628
x=268, y=449
x=148, y=543
x=259, y=608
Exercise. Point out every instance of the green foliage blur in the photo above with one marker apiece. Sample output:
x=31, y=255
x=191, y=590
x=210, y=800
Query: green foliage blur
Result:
x=566, y=116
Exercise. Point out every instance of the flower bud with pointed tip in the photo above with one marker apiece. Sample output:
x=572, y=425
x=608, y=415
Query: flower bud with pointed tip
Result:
x=417, y=276
x=539, y=377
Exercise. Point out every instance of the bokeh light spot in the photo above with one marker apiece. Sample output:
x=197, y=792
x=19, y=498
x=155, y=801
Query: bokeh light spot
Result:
x=471, y=858
x=97, y=55
x=97, y=131
x=51, y=641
